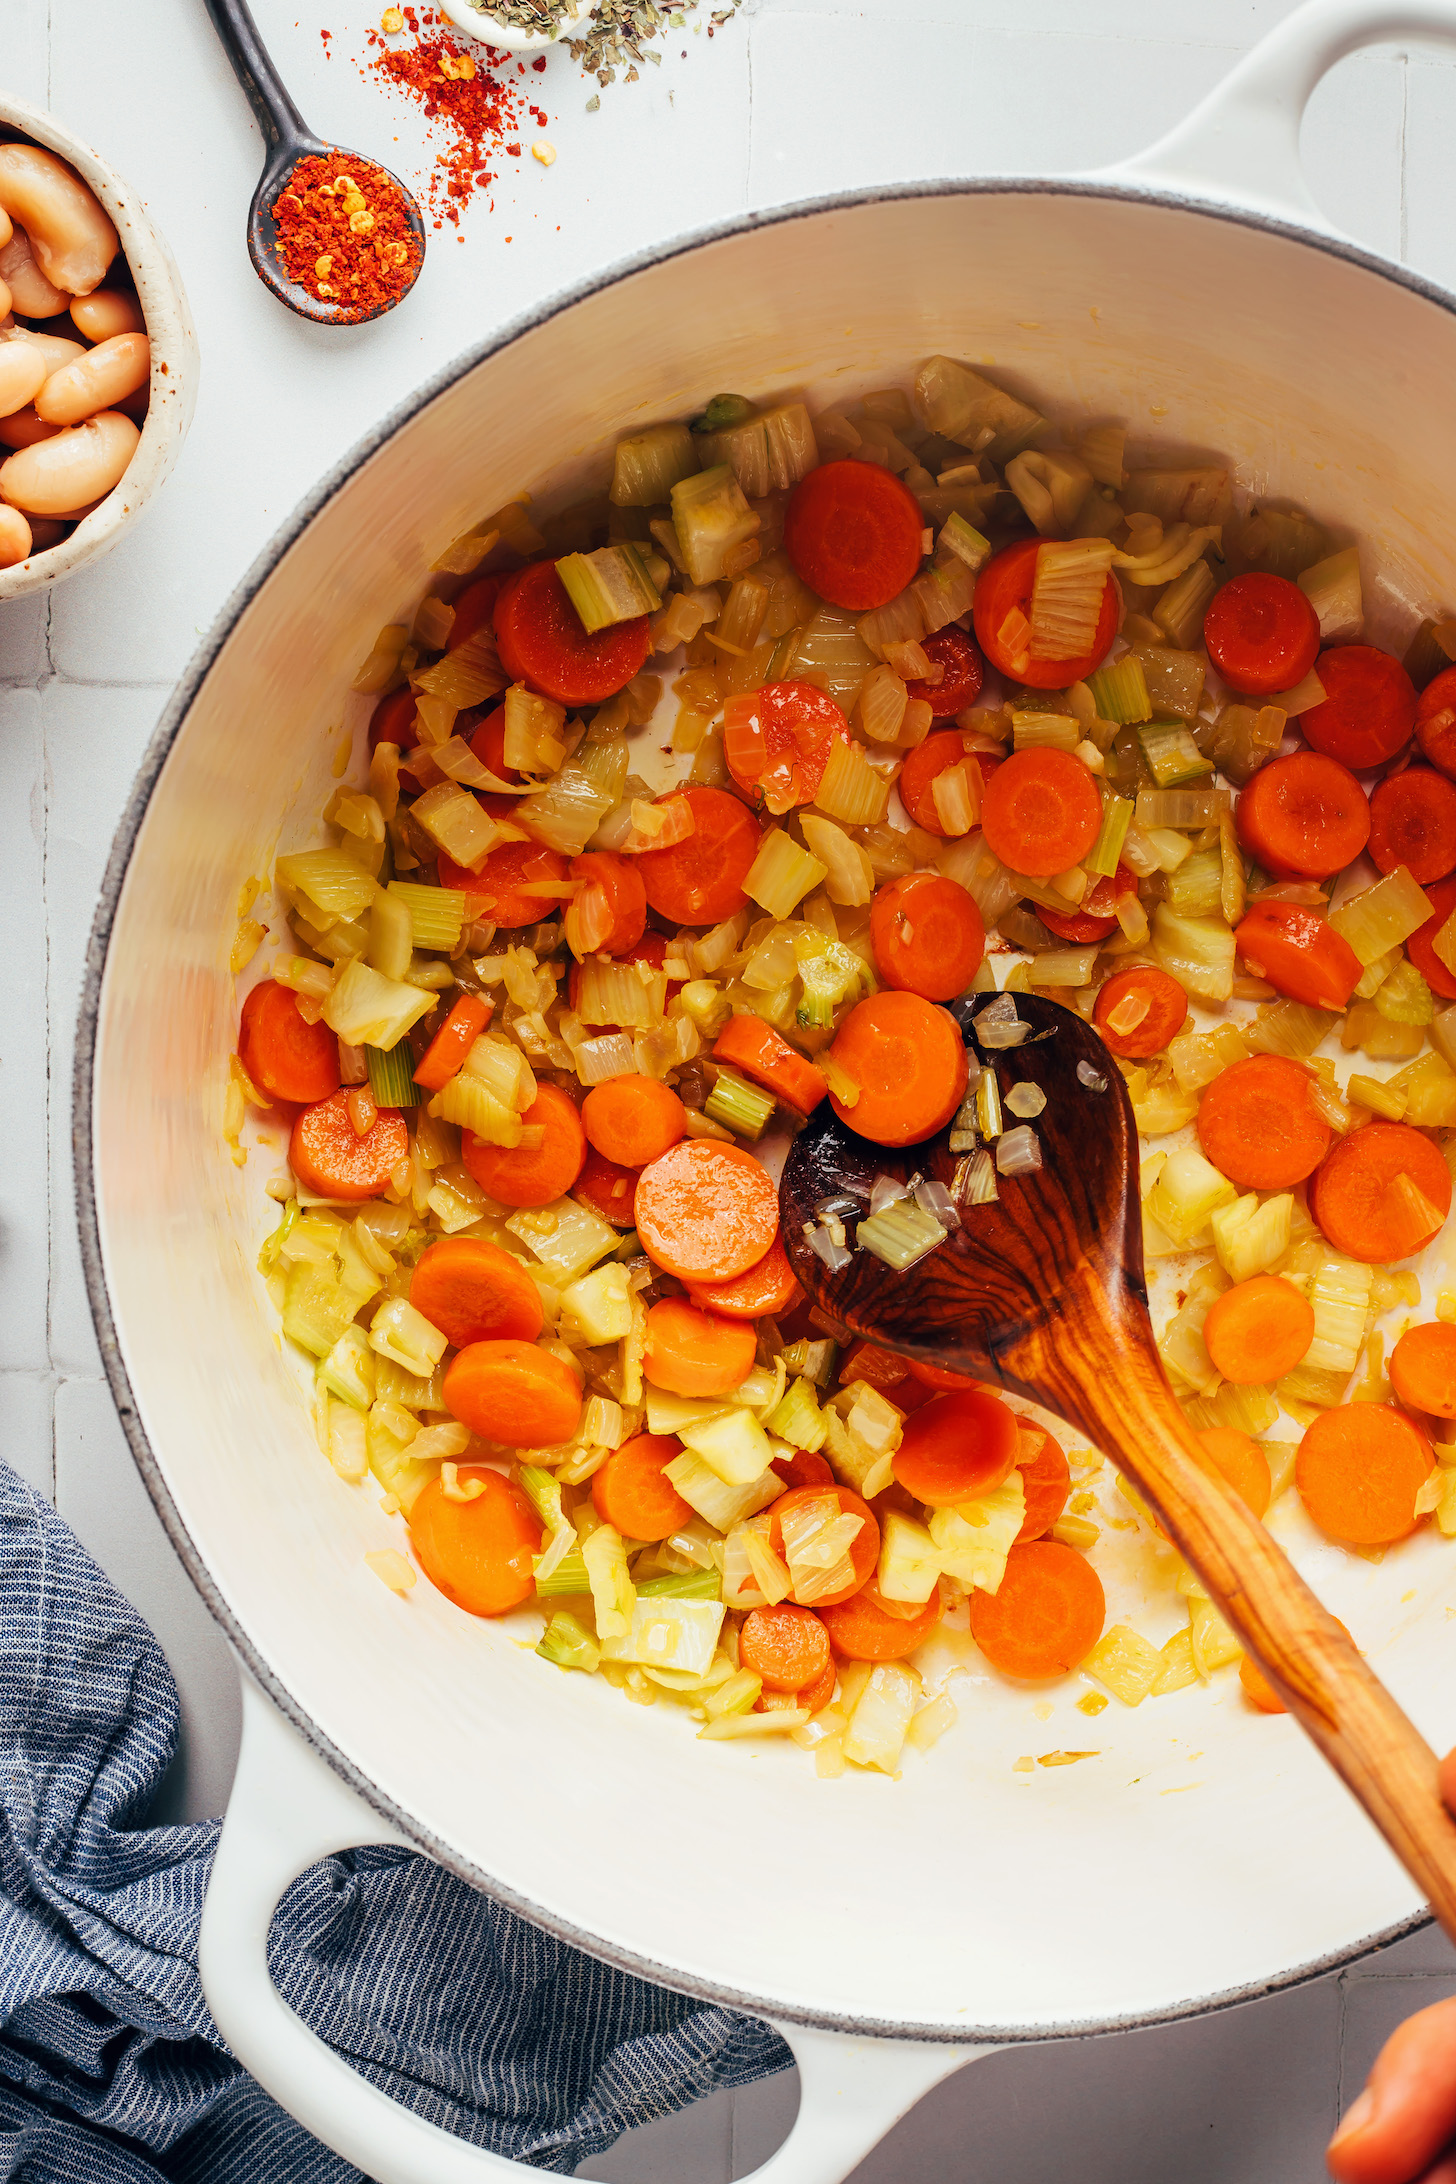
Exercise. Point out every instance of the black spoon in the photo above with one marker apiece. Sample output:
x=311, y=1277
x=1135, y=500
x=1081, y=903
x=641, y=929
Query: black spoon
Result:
x=289, y=139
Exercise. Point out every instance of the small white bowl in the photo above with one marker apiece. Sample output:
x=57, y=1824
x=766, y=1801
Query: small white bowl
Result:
x=490, y=31
x=173, y=337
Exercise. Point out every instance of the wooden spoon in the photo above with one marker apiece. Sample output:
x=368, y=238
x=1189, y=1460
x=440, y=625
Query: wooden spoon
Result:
x=1043, y=1292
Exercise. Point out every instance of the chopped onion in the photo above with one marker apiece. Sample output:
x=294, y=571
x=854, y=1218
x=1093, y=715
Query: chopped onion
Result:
x=976, y=1179
x=843, y=1206
x=1091, y=1077
x=1018, y=1152
x=599, y=1059
x=823, y=1246
x=935, y=1199
x=1025, y=1100
x=886, y=1192
x=999, y=1025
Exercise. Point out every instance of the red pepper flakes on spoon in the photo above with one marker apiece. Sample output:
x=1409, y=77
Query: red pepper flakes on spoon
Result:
x=344, y=235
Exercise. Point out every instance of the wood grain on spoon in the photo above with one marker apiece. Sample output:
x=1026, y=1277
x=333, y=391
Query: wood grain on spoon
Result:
x=1043, y=1291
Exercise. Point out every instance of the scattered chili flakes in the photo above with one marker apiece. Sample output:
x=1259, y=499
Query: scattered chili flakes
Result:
x=344, y=234
x=467, y=104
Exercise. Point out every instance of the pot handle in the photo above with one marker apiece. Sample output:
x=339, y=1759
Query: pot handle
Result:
x=288, y=1810
x=1240, y=145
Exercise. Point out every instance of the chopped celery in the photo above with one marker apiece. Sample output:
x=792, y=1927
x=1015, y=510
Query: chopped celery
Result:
x=963, y=539
x=649, y=464
x=830, y=974
x=693, y=1585
x=1340, y=1296
x=1171, y=755
x=1045, y=731
x=611, y=585
x=1195, y=890
x=437, y=914
x=901, y=1235
x=567, y=1579
x=1188, y=808
x=798, y=1418
x=567, y=1645
x=1120, y=692
x=348, y=1370
x=710, y=515
x=740, y=1107
x=768, y=453
x=958, y=403
x=1179, y=610
x=391, y=1075
x=1107, y=849
x=316, y=1310
x=391, y=937
x=722, y=413
x=1332, y=588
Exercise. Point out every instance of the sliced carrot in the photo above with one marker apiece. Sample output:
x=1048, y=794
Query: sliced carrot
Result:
x=1303, y=817
x=1423, y=1369
x=631, y=1120
x=1421, y=945
x=1096, y=917
x=610, y=906
x=1369, y=708
x=863, y=1629
x=699, y=880
x=1356, y=1198
x=477, y=1552
x=473, y=610
x=749, y=1044
x=1359, y=1470
x=495, y=891
x=939, y=752
x=1046, y=1616
x=518, y=1177
x=1413, y=823
x=777, y=741
x=1139, y=1011
x=1241, y=1463
x=769, y=1285
x=853, y=533
x=927, y=935
x=513, y=1393
x=706, y=1212
x=1436, y=720
x=542, y=642
x=446, y=1052
x=1257, y=1688
x=1046, y=1478
x=1262, y=633
x=286, y=1057
x=1003, y=602
x=632, y=1490
x=963, y=672
x=1041, y=812
x=607, y=1189
x=1259, y=1330
x=692, y=1352
x=328, y=1155
x=909, y=1062
x=803, y=1468
x=1259, y=1125
x=1299, y=952
x=787, y=1646
x=868, y=1362
x=472, y=1292
x=393, y=721
x=488, y=743
x=864, y=1548
x=958, y=1447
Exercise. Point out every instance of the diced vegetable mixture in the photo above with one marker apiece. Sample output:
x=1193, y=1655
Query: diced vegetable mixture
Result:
x=956, y=704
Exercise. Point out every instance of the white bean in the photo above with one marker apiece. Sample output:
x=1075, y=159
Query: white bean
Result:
x=31, y=294
x=24, y=428
x=76, y=467
x=72, y=238
x=108, y=311
x=96, y=381
x=14, y=538
x=6, y=229
x=55, y=348
x=23, y=372
x=6, y=300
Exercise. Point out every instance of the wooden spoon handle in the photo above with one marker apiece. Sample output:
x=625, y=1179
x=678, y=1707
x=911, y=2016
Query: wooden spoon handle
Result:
x=1102, y=1372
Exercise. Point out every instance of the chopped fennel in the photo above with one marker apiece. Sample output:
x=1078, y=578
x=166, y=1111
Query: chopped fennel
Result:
x=901, y=1235
x=973, y=1538
x=666, y=1632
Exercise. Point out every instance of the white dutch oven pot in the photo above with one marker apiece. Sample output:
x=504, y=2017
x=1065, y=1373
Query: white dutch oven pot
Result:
x=1197, y=293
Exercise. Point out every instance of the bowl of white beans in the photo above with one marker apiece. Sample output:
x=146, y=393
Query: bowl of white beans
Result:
x=98, y=355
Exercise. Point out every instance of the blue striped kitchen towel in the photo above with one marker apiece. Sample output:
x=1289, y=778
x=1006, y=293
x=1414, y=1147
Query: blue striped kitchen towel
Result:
x=111, y=2071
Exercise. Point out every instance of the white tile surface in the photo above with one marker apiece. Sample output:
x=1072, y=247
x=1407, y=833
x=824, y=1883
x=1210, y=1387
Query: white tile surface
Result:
x=794, y=98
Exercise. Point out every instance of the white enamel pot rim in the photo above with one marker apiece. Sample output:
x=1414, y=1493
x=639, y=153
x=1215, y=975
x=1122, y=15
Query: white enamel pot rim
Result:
x=299, y=1793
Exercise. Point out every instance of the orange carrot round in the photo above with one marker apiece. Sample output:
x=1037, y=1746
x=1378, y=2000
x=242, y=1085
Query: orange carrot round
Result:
x=777, y=741
x=699, y=880
x=477, y=1552
x=610, y=902
x=852, y=532
x=958, y=1447
x=1259, y=1125
x=864, y=1549
x=517, y=1177
x=497, y=889
x=473, y=1293
x=1413, y=823
x=909, y=1062
x=1046, y=1616
x=606, y=1188
x=863, y=1628
x=1423, y=1369
x=513, y=1393
x=769, y=1286
x=1139, y=1011
x=1241, y=1463
x=706, y=1212
x=927, y=935
x=446, y=1052
x=748, y=1044
x=1041, y=812
x=787, y=1646
x=1359, y=1470
x=633, y=1492
x=286, y=1057
x=1300, y=954
x=1382, y=1193
x=631, y=1120
x=1303, y=817
x=328, y=1155
x=1259, y=1330
x=692, y=1352
x=1046, y=1479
